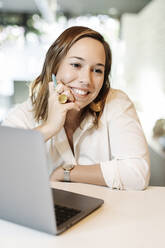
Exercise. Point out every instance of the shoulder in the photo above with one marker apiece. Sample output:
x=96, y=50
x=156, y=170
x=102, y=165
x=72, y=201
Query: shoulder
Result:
x=117, y=96
x=22, y=108
x=117, y=102
x=20, y=115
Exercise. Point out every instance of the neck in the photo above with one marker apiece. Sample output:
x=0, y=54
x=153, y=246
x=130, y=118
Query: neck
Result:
x=73, y=119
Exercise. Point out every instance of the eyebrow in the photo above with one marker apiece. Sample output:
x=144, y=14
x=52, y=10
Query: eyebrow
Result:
x=75, y=57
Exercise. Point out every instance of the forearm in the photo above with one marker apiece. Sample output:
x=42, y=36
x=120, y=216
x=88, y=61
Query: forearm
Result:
x=91, y=174
x=45, y=131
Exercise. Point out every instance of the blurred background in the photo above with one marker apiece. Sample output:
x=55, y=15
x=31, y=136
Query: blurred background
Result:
x=135, y=30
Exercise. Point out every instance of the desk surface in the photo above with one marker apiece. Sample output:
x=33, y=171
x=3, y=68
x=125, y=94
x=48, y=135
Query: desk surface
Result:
x=134, y=219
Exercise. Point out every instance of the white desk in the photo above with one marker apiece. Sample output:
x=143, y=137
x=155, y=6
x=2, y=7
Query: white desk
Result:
x=134, y=219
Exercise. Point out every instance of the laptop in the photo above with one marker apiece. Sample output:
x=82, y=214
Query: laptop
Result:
x=26, y=197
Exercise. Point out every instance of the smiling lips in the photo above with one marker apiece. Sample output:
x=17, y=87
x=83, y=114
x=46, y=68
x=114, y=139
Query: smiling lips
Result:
x=80, y=92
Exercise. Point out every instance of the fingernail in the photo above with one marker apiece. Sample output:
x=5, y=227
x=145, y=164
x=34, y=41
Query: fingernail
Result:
x=59, y=87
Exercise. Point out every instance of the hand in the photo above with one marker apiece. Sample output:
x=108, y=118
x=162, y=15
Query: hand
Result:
x=57, y=111
x=63, y=89
x=57, y=174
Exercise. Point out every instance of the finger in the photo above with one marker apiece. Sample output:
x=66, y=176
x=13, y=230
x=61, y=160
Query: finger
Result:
x=63, y=89
x=69, y=95
x=60, y=88
x=52, y=90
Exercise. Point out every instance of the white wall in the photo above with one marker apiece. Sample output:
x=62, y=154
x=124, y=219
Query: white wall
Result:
x=144, y=60
x=144, y=74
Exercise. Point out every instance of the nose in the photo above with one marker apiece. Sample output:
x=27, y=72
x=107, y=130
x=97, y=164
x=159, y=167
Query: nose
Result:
x=85, y=77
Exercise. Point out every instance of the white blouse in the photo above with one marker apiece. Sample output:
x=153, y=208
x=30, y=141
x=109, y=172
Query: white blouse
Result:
x=118, y=144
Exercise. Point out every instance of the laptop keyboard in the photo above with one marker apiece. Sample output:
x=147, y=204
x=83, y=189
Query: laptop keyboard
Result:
x=64, y=213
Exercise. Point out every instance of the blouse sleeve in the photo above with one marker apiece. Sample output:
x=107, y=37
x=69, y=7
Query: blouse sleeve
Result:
x=129, y=167
x=21, y=116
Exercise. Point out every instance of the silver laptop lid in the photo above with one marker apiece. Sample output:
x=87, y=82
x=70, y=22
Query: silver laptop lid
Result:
x=25, y=194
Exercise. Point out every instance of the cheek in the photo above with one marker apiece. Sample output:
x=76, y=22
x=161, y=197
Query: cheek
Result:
x=65, y=75
x=98, y=86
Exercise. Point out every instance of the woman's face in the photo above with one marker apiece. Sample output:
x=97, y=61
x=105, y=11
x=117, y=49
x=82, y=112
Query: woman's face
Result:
x=82, y=70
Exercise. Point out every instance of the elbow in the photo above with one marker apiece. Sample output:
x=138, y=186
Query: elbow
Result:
x=131, y=174
x=140, y=185
x=140, y=179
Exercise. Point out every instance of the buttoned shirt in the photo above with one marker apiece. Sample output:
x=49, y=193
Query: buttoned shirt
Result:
x=118, y=143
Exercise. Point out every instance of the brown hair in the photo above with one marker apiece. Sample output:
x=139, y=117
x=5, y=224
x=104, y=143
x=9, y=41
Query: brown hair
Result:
x=54, y=56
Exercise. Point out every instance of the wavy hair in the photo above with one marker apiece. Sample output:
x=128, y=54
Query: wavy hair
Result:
x=54, y=56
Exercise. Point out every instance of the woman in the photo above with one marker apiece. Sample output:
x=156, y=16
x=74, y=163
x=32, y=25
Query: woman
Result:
x=95, y=136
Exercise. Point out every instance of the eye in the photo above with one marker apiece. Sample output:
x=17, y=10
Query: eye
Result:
x=75, y=65
x=99, y=71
